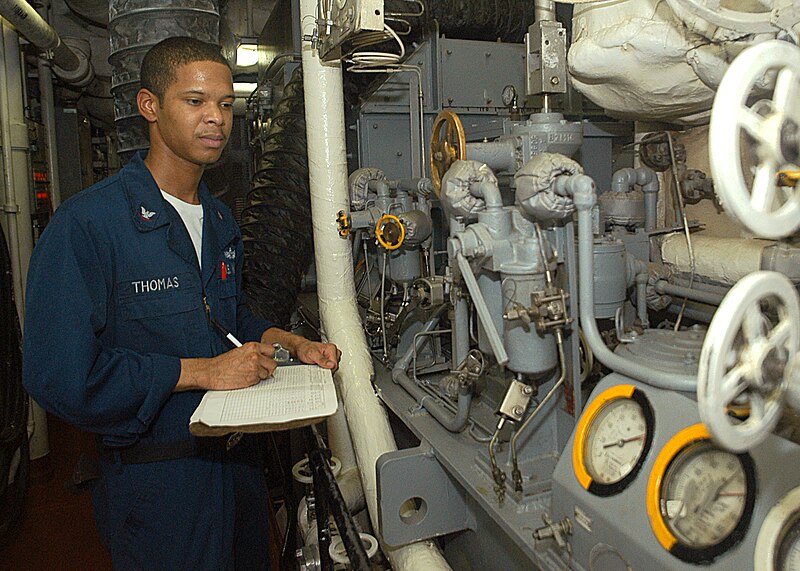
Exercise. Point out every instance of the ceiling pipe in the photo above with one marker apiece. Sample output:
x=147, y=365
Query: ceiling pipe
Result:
x=70, y=63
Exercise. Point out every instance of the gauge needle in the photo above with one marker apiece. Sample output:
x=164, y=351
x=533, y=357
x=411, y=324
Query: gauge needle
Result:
x=623, y=441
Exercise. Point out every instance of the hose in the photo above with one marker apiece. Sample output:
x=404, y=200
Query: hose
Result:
x=276, y=219
x=14, y=452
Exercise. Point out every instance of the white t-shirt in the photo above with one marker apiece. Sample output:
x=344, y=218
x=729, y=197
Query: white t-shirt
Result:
x=192, y=216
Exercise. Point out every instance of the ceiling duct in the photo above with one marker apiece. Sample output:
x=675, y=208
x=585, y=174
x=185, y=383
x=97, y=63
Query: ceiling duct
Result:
x=134, y=27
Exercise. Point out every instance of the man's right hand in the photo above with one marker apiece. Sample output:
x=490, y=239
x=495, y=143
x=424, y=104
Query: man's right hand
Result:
x=235, y=369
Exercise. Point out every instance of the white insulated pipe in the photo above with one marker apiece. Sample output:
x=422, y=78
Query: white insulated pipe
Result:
x=17, y=200
x=327, y=166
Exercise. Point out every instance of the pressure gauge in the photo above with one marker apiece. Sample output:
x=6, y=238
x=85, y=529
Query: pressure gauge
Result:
x=699, y=497
x=612, y=440
x=509, y=95
x=778, y=543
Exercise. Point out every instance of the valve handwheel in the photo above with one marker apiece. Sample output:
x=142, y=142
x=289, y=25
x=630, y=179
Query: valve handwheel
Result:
x=447, y=147
x=771, y=208
x=747, y=357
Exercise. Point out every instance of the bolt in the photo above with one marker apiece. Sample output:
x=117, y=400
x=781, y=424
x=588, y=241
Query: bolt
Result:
x=399, y=153
x=488, y=54
x=527, y=390
x=449, y=52
x=517, y=410
x=450, y=100
x=554, y=80
x=374, y=125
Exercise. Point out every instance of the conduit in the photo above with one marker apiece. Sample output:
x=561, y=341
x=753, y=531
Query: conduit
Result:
x=71, y=65
x=452, y=423
x=581, y=188
x=366, y=417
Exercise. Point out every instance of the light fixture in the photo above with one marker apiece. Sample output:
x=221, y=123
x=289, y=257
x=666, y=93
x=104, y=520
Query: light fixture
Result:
x=246, y=55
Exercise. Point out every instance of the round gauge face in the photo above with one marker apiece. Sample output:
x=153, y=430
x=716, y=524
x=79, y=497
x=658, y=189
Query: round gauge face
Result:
x=700, y=498
x=703, y=495
x=509, y=95
x=788, y=555
x=612, y=439
x=616, y=441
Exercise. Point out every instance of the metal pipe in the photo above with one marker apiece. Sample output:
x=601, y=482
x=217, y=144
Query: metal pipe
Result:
x=452, y=423
x=544, y=10
x=483, y=311
x=641, y=299
x=366, y=417
x=72, y=65
x=500, y=156
x=708, y=297
x=582, y=190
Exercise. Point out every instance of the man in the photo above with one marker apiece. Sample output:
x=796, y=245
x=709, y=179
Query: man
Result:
x=132, y=289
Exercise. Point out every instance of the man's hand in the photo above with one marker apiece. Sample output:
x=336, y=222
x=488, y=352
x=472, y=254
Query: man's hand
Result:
x=236, y=369
x=326, y=355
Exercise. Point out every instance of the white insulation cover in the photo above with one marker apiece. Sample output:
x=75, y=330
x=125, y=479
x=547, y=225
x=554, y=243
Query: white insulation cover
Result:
x=725, y=260
x=638, y=59
x=366, y=417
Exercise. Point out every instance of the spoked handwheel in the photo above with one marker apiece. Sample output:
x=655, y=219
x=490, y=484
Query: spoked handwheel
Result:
x=770, y=207
x=446, y=147
x=747, y=360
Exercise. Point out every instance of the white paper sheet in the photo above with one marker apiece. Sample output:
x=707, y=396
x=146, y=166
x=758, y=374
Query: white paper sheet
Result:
x=292, y=393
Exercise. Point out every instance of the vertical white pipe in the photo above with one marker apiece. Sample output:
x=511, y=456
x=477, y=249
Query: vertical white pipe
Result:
x=17, y=200
x=369, y=425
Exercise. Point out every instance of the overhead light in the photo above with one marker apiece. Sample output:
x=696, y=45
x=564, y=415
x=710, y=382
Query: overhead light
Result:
x=246, y=55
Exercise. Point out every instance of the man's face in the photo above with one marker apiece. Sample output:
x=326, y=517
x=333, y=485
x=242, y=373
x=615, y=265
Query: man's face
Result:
x=195, y=117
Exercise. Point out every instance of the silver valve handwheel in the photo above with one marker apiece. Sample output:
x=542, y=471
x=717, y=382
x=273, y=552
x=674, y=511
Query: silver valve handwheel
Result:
x=746, y=358
x=772, y=126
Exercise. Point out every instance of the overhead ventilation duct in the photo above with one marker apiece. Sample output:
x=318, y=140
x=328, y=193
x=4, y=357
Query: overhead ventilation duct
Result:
x=134, y=27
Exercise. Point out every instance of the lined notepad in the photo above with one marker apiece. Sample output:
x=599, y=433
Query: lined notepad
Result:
x=292, y=394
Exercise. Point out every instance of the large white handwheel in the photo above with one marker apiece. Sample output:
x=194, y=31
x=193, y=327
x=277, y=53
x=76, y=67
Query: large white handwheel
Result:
x=773, y=126
x=753, y=337
x=741, y=21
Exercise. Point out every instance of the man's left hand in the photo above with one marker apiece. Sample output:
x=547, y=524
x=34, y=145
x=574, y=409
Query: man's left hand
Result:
x=326, y=355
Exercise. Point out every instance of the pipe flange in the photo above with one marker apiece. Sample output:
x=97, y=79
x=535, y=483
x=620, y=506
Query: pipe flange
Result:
x=83, y=75
x=339, y=554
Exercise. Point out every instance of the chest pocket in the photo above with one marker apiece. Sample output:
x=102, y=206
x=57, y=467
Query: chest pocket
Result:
x=161, y=323
x=157, y=306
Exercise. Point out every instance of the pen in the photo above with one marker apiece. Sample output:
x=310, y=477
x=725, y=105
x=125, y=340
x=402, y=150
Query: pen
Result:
x=232, y=339
x=228, y=335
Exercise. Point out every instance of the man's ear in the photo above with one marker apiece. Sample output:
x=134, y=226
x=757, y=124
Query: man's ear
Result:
x=148, y=104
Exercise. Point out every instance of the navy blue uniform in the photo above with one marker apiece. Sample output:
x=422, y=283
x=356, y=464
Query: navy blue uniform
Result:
x=115, y=298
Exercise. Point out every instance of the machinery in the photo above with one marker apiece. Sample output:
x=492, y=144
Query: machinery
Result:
x=549, y=413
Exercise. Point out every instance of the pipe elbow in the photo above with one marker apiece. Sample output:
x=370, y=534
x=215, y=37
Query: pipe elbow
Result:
x=583, y=192
x=622, y=180
x=647, y=179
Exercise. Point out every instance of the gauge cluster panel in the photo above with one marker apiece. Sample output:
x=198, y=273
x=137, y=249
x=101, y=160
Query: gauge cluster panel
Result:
x=646, y=487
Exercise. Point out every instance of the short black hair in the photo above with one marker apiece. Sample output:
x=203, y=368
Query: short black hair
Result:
x=160, y=62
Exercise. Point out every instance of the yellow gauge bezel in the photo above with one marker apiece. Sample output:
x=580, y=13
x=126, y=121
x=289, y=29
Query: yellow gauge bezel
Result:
x=687, y=437
x=585, y=424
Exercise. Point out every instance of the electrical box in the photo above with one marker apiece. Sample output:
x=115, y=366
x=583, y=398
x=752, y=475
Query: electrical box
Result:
x=343, y=20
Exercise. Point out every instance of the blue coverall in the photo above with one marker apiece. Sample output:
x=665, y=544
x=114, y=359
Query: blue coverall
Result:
x=115, y=298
